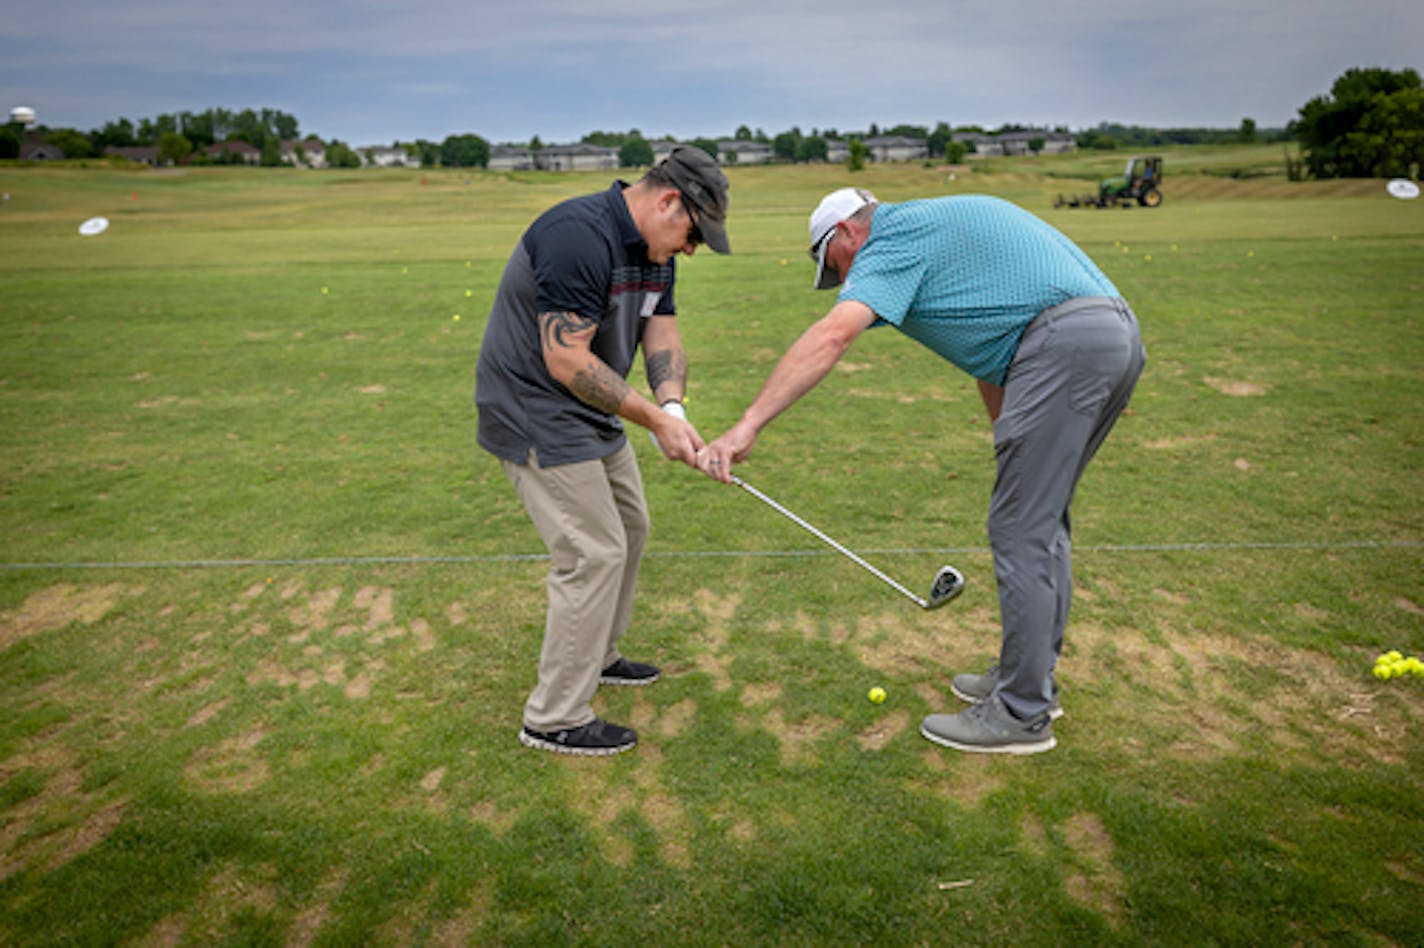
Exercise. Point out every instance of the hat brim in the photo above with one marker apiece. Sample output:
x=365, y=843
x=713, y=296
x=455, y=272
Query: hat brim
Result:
x=827, y=276
x=714, y=232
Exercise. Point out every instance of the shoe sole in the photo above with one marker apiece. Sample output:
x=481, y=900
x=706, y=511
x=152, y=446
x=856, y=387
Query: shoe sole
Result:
x=634, y=682
x=1036, y=747
x=550, y=746
x=1054, y=713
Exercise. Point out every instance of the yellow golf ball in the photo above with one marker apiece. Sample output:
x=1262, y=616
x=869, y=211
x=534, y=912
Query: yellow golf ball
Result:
x=876, y=695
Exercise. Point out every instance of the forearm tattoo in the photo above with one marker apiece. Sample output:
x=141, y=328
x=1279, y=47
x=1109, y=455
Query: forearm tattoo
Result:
x=600, y=386
x=668, y=365
x=595, y=382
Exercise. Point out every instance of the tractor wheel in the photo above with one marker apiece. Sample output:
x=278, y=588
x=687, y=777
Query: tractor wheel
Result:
x=1152, y=198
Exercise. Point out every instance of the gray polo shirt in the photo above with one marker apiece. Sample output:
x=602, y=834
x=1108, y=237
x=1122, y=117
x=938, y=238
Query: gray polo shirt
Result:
x=585, y=256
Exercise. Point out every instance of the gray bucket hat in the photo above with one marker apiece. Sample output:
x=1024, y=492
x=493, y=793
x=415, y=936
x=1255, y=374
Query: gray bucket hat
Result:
x=696, y=174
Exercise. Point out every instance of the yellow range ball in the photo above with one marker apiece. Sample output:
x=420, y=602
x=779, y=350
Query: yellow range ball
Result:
x=1382, y=672
x=876, y=695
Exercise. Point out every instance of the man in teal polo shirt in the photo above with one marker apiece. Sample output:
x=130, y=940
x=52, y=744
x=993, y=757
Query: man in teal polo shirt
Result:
x=1056, y=353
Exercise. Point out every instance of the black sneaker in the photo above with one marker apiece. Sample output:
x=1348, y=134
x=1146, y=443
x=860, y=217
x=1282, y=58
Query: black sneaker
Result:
x=624, y=672
x=595, y=739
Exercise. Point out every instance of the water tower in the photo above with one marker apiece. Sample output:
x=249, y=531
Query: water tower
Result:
x=23, y=115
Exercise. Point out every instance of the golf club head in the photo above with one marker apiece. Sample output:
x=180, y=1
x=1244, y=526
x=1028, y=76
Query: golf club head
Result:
x=948, y=583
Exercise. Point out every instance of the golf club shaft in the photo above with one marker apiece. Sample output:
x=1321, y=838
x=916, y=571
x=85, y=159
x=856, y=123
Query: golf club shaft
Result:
x=919, y=601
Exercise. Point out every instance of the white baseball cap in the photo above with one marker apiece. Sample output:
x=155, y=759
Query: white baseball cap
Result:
x=834, y=208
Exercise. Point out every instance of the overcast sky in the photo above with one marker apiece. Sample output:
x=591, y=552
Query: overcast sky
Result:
x=375, y=71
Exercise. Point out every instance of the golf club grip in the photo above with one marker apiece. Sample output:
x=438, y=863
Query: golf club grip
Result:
x=789, y=515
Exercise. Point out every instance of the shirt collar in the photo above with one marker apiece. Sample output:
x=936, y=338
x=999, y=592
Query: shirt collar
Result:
x=627, y=230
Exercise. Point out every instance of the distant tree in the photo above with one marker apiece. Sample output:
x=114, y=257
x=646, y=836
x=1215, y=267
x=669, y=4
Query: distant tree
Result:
x=1036, y=144
x=173, y=148
x=283, y=125
x=855, y=160
x=784, y=145
x=119, y=134
x=73, y=143
x=1371, y=125
x=604, y=139
x=1247, y=134
x=635, y=153
x=743, y=134
x=1390, y=140
x=908, y=131
x=428, y=152
x=464, y=151
x=939, y=138
x=340, y=155
x=706, y=144
x=954, y=152
x=11, y=140
x=272, y=152
x=811, y=148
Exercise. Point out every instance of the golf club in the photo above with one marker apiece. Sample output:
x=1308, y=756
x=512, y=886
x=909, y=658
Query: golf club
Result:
x=948, y=582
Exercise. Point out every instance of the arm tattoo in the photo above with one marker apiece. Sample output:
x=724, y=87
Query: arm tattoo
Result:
x=600, y=386
x=669, y=365
x=594, y=383
x=557, y=327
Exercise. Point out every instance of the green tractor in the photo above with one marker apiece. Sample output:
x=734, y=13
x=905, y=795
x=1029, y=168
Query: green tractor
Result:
x=1141, y=182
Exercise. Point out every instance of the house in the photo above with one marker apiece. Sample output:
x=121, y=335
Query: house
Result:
x=837, y=151
x=581, y=157
x=387, y=156
x=510, y=158
x=307, y=153
x=1017, y=143
x=662, y=148
x=896, y=148
x=240, y=149
x=743, y=152
x=142, y=154
x=40, y=151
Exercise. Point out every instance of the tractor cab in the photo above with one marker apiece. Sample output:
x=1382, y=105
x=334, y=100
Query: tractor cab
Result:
x=1140, y=182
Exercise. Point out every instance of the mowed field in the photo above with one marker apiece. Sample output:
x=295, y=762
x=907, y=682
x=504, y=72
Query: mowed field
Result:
x=268, y=615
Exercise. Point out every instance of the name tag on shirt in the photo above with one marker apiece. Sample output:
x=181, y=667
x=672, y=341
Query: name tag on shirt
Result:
x=650, y=303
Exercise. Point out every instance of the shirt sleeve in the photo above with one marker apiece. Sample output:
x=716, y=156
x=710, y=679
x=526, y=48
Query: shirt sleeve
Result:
x=886, y=276
x=572, y=267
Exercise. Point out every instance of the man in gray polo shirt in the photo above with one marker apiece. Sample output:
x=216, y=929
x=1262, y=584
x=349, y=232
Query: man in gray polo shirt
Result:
x=589, y=283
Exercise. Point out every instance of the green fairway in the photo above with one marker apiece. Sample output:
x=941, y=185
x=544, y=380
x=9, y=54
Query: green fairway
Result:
x=268, y=615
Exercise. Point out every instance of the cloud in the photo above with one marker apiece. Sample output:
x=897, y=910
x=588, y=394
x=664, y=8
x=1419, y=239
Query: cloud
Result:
x=368, y=70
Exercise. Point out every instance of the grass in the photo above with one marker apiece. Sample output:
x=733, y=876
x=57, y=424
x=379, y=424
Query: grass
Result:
x=301, y=730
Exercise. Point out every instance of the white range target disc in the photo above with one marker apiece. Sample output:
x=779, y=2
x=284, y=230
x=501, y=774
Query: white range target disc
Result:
x=1403, y=188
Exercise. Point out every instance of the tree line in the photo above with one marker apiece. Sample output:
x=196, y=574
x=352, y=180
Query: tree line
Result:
x=1371, y=124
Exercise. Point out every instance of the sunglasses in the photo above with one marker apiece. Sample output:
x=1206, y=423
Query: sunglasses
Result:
x=694, y=235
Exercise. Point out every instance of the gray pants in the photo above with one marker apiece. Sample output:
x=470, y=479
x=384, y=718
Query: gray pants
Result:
x=1070, y=379
x=594, y=522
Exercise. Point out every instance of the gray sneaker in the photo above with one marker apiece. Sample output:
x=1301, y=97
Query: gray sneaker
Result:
x=975, y=688
x=989, y=728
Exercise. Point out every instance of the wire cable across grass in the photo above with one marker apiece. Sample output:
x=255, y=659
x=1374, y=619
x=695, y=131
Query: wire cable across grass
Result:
x=699, y=554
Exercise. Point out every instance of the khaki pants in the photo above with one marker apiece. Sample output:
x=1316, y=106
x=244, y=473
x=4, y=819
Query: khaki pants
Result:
x=594, y=523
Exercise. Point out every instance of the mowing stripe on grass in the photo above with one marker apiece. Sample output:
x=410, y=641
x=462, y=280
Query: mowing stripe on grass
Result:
x=695, y=554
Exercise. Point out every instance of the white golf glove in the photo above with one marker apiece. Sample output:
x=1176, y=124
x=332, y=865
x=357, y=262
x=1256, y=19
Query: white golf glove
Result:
x=672, y=407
